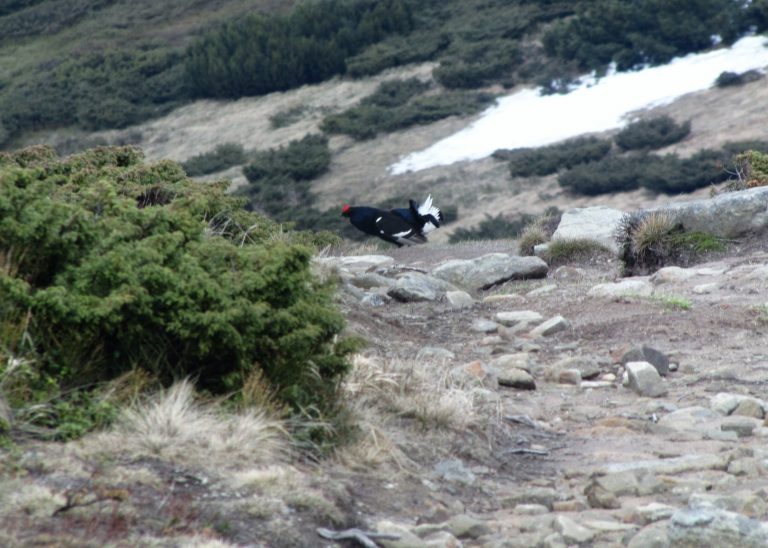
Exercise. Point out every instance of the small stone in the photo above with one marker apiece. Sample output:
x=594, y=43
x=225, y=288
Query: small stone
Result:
x=519, y=360
x=407, y=538
x=586, y=366
x=743, y=427
x=645, y=353
x=653, y=512
x=530, y=509
x=453, y=470
x=745, y=467
x=464, y=526
x=545, y=496
x=568, y=273
x=645, y=380
x=749, y=407
x=518, y=317
x=502, y=298
x=569, y=376
x=633, y=287
x=375, y=299
x=653, y=536
x=543, y=290
x=517, y=378
x=550, y=327
x=709, y=526
x=704, y=289
x=441, y=539
x=571, y=531
x=574, y=505
x=480, y=325
x=459, y=299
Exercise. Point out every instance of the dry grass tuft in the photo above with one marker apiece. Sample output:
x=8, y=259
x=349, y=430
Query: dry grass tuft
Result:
x=392, y=399
x=174, y=426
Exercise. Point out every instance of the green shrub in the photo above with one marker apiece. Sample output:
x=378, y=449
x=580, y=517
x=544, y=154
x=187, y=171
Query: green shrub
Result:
x=652, y=133
x=396, y=51
x=643, y=31
x=492, y=228
x=613, y=174
x=528, y=162
x=222, y=157
x=301, y=160
x=728, y=78
x=479, y=65
x=562, y=251
x=114, y=265
x=399, y=104
x=260, y=54
x=674, y=175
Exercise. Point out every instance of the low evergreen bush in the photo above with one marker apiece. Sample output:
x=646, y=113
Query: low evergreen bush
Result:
x=652, y=133
x=222, y=157
x=528, y=162
x=109, y=266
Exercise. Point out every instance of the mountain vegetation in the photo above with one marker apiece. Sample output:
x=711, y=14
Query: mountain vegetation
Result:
x=97, y=64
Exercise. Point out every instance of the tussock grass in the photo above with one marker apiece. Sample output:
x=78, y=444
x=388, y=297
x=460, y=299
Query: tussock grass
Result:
x=539, y=231
x=173, y=425
x=561, y=251
x=393, y=399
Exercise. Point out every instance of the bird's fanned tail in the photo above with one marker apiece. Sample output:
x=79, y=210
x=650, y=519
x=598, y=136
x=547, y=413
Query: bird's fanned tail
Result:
x=432, y=215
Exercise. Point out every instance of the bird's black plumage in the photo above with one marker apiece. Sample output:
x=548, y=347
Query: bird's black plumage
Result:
x=402, y=226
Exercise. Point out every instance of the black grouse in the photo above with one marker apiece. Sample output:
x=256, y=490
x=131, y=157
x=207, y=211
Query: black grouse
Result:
x=401, y=226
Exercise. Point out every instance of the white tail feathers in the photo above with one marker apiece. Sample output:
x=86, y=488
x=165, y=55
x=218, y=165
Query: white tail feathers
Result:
x=426, y=208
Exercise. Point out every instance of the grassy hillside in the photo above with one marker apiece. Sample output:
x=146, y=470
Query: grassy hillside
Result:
x=103, y=64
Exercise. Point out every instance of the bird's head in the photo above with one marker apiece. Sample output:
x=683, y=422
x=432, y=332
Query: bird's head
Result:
x=345, y=210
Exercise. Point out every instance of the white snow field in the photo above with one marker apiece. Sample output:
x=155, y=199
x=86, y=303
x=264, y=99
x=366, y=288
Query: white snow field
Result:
x=527, y=119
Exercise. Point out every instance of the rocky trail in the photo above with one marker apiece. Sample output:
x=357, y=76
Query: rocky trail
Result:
x=610, y=411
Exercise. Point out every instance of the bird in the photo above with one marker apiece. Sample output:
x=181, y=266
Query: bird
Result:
x=400, y=226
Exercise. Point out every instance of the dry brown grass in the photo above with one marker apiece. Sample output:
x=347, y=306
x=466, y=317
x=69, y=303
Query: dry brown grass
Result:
x=394, y=399
x=172, y=425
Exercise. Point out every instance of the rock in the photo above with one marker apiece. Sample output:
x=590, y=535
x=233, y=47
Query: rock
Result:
x=550, y=327
x=488, y=270
x=481, y=325
x=516, y=318
x=645, y=353
x=464, y=526
x=726, y=403
x=530, y=509
x=586, y=366
x=359, y=263
x=645, y=380
x=502, y=298
x=569, y=376
x=709, y=526
x=545, y=496
x=595, y=223
x=568, y=274
x=704, y=289
x=624, y=288
x=516, y=378
x=543, y=290
x=745, y=467
x=540, y=250
x=453, y=470
x=653, y=536
x=407, y=538
x=671, y=466
x=441, y=539
x=650, y=513
x=369, y=280
x=749, y=407
x=459, y=299
x=572, y=532
x=743, y=426
x=573, y=505
x=742, y=502
x=375, y=299
x=413, y=287
x=727, y=215
x=519, y=360
x=671, y=274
